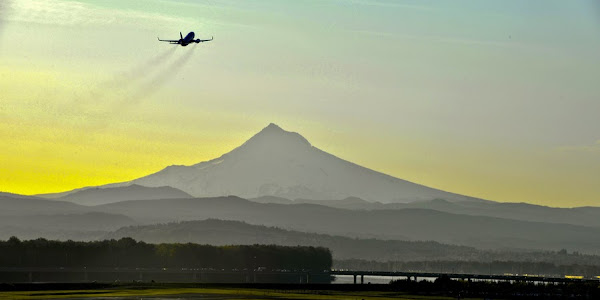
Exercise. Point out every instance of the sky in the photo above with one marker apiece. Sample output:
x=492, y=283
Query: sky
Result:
x=492, y=99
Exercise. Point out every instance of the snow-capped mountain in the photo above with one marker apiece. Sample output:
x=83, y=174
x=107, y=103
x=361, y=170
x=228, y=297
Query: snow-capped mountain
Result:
x=275, y=162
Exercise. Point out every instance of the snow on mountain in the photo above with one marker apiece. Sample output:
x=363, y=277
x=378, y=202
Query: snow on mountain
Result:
x=275, y=162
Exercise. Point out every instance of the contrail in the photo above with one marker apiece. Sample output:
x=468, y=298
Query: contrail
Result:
x=120, y=82
x=125, y=103
x=160, y=79
x=140, y=71
x=99, y=103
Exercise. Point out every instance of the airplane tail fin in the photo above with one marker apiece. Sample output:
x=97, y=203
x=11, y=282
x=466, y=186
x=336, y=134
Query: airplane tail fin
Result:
x=181, y=35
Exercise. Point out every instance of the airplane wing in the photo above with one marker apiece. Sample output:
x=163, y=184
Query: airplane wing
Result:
x=170, y=41
x=200, y=41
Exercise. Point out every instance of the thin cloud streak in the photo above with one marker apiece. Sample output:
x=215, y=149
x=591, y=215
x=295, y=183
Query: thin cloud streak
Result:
x=5, y=10
x=385, y=4
x=55, y=12
x=590, y=148
x=438, y=39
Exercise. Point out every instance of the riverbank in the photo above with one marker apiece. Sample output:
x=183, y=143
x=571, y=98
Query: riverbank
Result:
x=195, y=291
x=441, y=289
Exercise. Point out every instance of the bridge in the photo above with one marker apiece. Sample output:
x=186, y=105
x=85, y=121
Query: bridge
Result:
x=33, y=274
x=416, y=275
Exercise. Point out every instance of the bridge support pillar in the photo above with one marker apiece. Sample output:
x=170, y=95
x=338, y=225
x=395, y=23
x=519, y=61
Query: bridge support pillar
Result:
x=362, y=279
x=415, y=278
x=354, y=278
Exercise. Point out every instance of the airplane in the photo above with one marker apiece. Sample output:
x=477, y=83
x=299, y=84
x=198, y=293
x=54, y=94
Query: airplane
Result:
x=184, y=41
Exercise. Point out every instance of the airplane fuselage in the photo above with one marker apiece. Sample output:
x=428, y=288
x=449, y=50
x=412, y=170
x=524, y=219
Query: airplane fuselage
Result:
x=189, y=38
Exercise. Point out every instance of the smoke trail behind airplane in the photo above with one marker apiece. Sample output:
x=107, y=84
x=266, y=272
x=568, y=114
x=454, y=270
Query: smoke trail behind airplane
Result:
x=128, y=98
x=123, y=103
x=108, y=96
x=139, y=71
x=152, y=85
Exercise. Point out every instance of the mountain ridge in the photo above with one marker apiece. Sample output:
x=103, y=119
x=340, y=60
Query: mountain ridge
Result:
x=406, y=224
x=222, y=232
x=104, y=195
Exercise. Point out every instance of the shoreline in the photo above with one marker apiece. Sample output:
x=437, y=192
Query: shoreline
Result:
x=212, y=291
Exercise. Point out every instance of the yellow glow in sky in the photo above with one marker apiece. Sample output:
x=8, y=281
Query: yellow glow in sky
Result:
x=498, y=101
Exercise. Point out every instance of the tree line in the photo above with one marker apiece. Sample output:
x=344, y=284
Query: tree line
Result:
x=129, y=253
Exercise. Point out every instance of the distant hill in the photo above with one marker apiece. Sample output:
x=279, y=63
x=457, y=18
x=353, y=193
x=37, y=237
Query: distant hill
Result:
x=585, y=216
x=353, y=203
x=4, y=195
x=272, y=199
x=18, y=205
x=98, y=195
x=84, y=221
x=83, y=226
x=219, y=232
x=398, y=224
x=459, y=223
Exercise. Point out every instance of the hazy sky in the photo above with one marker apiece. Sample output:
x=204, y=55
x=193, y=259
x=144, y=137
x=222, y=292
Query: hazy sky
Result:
x=493, y=99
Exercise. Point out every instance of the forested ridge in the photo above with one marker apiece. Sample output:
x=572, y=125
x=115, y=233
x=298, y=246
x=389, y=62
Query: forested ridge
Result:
x=128, y=253
x=221, y=232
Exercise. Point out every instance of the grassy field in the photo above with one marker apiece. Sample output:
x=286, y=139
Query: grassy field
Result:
x=209, y=293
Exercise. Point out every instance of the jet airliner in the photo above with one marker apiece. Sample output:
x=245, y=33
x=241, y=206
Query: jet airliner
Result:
x=184, y=41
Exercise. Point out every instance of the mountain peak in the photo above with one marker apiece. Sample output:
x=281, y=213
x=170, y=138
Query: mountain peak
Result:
x=273, y=127
x=275, y=136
